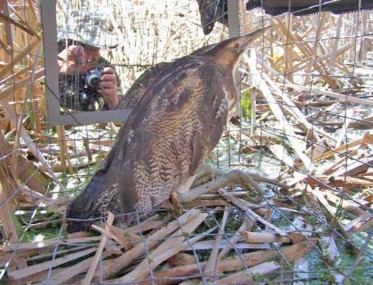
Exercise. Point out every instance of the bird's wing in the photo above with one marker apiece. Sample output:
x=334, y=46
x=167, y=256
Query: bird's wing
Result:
x=171, y=130
x=139, y=87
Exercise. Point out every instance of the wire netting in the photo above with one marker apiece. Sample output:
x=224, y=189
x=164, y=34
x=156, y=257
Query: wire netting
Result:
x=300, y=214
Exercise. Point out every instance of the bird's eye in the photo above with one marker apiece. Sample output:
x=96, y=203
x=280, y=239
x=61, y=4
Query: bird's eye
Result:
x=236, y=46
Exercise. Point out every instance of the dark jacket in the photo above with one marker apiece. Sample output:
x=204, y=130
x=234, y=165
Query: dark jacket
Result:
x=76, y=94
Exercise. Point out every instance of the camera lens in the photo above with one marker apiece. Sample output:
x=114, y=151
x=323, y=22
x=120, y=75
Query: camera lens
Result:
x=93, y=80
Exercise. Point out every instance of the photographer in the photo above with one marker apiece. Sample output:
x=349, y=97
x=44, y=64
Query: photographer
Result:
x=87, y=81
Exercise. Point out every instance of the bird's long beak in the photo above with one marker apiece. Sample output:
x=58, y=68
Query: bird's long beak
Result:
x=244, y=41
x=228, y=53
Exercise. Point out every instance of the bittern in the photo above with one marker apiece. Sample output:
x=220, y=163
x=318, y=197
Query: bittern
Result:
x=178, y=119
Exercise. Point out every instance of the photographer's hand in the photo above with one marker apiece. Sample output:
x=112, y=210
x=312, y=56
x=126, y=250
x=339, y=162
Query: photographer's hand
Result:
x=72, y=60
x=108, y=87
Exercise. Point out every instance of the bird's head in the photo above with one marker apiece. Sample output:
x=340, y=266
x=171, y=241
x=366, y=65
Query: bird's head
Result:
x=227, y=54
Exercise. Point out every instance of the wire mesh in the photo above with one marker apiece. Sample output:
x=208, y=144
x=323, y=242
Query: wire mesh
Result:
x=302, y=135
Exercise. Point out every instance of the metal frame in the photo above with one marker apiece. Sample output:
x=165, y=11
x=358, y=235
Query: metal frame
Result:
x=49, y=24
x=235, y=31
x=233, y=18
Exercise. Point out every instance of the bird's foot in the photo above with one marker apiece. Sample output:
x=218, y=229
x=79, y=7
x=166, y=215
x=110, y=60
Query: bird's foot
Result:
x=232, y=178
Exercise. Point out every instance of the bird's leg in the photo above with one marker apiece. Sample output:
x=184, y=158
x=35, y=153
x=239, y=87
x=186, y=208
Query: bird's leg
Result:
x=175, y=196
x=232, y=178
x=175, y=203
x=124, y=221
x=206, y=173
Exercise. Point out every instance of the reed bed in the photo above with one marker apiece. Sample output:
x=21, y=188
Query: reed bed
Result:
x=301, y=211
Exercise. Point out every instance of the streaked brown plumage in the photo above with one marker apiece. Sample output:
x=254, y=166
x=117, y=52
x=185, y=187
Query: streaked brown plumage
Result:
x=139, y=87
x=177, y=121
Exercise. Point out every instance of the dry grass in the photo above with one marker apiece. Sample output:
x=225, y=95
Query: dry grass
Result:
x=150, y=32
x=311, y=84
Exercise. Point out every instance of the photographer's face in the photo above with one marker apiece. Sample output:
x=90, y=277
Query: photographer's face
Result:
x=92, y=53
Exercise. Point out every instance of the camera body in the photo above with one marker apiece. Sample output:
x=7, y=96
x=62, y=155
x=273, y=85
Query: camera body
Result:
x=93, y=78
x=88, y=93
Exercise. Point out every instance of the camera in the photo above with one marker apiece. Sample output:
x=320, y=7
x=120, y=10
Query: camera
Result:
x=93, y=78
x=88, y=92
